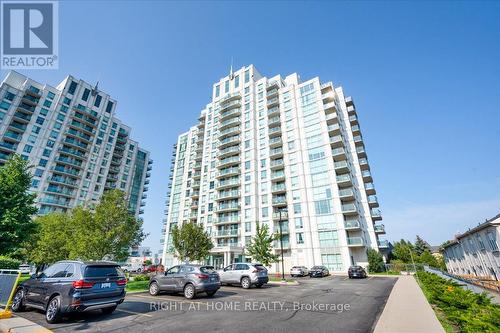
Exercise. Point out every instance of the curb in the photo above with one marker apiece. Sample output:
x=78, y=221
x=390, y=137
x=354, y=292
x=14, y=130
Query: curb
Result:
x=21, y=325
x=280, y=283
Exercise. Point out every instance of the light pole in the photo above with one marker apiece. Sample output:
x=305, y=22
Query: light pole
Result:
x=281, y=244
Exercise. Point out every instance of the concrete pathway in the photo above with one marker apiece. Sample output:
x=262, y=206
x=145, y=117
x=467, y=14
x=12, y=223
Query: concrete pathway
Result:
x=407, y=310
x=20, y=325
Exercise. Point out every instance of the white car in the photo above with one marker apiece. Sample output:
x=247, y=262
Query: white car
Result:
x=299, y=271
x=25, y=268
x=131, y=268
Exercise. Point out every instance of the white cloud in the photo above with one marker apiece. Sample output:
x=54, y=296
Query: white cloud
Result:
x=437, y=223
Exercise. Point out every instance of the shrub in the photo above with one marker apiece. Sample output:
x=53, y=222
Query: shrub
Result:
x=141, y=277
x=465, y=309
x=9, y=263
x=375, y=261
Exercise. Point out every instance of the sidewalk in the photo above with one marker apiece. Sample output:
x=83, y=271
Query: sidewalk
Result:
x=20, y=325
x=407, y=310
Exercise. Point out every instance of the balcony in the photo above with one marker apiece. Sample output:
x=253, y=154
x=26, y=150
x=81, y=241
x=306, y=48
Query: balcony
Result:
x=277, y=164
x=233, y=150
x=358, y=140
x=276, y=152
x=18, y=127
x=382, y=243
x=60, y=190
x=273, y=131
x=367, y=176
x=224, y=195
x=341, y=167
x=379, y=228
x=346, y=194
x=274, y=142
x=349, y=209
x=278, y=188
x=334, y=129
x=286, y=244
x=332, y=119
x=363, y=163
x=195, y=194
x=21, y=117
x=355, y=129
x=8, y=146
x=228, y=172
x=228, y=123
x=274, y=121
x=273, y=111
x=277, y=175
x=63, y=180
x=69, y=161
x=344, y=180
x=361, y=151
x=351, y=109
x=349, y=101
x=372, y=201
x=336, y=141
x=273, y=85
x=355, y=242
x=228, y=161
x=376, y=214
x=229, y=141
x=339, y=154
x=276, y=215
x=196, y=175
x=230, y=131
x=56, y=202
x=284, y=228
x=13, y=136
x=221, y=208
x=231, y=182
x=279, y=201
x=353, y=119
x=225, y=233
x=229, y=114
x=330, y=107
x=272, y=102
x=226, y=219
x=229, y=97
x=67, y=171
x=352, y=224
x=370, y=188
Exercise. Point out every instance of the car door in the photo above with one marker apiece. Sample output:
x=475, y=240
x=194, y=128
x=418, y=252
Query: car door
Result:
x=227, y=274
x=183, y=277
x=169, y=279
x=240, y=270
x=55, y=282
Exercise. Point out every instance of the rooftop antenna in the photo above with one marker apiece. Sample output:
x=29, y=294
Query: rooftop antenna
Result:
x=231, y=75
x=96, y=88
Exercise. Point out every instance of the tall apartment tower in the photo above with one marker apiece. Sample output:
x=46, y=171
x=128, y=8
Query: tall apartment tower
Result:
x=271, y=149
x=77, y=147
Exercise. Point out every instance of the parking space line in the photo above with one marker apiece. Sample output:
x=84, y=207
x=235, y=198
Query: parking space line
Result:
x=345, y=278
x=135, y=313
x=371, y=277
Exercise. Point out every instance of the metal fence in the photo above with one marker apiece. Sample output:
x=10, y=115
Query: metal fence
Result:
x=8, y=281
x=404, y=268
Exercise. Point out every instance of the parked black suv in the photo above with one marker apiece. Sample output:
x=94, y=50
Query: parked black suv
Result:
x=356, y=271
x=72, y=286
x=318, y=271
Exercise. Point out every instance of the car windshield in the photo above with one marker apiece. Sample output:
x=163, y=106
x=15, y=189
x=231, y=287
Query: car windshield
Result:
x=316, y=267
x=207, y=269
x=102, y=271
x=295, y=267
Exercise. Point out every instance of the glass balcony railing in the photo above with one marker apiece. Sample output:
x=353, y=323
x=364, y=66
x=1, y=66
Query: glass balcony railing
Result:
x=352, y=224
x=348, y=192
x=355, y=241
x=383, y=243
x=379, y=228
x=277, y=174
x=349, y=208
x=278, y=187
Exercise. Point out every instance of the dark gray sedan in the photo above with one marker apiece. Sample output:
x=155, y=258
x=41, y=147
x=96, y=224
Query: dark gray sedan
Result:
x=71, y=286
x=188, y=279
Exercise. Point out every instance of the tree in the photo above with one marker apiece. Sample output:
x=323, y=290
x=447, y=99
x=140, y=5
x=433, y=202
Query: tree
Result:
x=16, y=206
x=375, y=261
x=261, y=246
x=401, y=251
x=428, y=259
x=191, y=242
x=106, y=232
x=421, y=246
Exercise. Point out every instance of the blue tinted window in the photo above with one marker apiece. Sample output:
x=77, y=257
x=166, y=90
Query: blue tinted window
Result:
x=72, y=87
x=85, y=95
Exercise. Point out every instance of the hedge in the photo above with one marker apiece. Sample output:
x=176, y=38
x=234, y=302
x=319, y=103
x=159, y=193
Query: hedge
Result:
x=9, y=263
x=465, y=310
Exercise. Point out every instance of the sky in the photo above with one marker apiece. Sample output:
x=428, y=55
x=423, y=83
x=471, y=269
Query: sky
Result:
x=425, y=78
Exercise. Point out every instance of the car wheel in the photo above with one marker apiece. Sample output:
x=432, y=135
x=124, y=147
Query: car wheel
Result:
x=154, y=289
x=53, y=310
x=189, y=291
x=138, y=270
x=245, y=283
x=17, y=302
x=211, y=293
x=109, y=310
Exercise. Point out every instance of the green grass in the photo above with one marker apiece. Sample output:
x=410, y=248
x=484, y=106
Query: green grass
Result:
x=137, y=286
x=385, y=273
x=275, y=278
x=457, y=309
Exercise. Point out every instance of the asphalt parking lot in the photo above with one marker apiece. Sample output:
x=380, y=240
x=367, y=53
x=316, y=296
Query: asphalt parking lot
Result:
x=331, y=304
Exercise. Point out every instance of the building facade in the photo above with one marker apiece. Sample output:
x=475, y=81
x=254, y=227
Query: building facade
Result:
x=280, y=152
x=77, y=147
x=476, y=251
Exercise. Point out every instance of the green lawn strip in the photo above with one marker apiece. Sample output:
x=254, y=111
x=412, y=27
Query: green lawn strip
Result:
x=135, y=286
x=385, y=273
x=275, y=278
x=457, y=309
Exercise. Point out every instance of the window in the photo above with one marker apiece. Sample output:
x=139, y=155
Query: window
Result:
x=236, y=81
x=27, y=149
x=322, y=207
x=332, y=261
x=298, y=223
x=97, y=102
x=72, y=88
x=50, y=95
x=47, y=103
x=39, y=120
x=328, y=238
x=480, y=242
x=248, y=226
x=39, y=172
x=9, y=96
x=217, y=91
x=85, y=95
x=247, y=76
x=297, y=209
x=35, y=183
x=44, y=111
x=226, y=87
x=66, y=101
x=248, y=200
x=265, y=212
x=300, y=238
x=491, y=241
x=109, y=107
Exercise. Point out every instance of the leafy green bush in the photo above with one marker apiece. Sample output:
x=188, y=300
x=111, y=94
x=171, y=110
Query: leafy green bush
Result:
x=142, y=277
x=375, y=261
x=468, y=311
x=9, y=263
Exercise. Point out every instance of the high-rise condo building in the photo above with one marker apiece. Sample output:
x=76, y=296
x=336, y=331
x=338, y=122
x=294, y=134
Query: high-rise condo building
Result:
x=77, y=147
x=271, y=149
